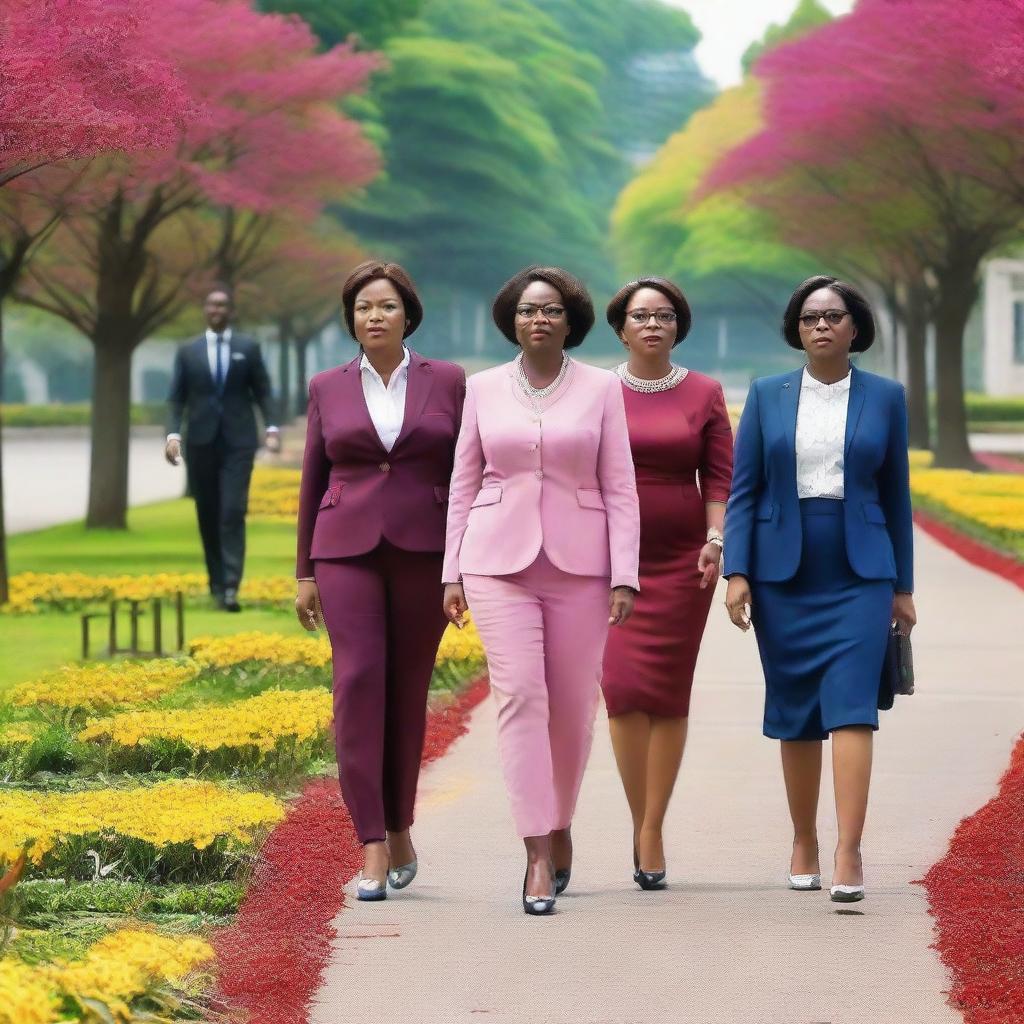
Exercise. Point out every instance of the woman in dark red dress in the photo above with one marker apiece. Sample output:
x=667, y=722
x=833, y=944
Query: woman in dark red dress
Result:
x=682, y=448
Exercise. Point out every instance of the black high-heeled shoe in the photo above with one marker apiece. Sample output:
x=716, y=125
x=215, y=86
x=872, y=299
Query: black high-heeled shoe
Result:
x=647, y=880
x=562, y=876
x=536, y=905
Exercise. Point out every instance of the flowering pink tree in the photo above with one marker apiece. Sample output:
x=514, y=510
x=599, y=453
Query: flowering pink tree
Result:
x=907, y=116
x=72, y=84
x=269, y=138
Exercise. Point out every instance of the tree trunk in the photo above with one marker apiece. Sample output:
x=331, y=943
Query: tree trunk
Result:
x=955, y=300
x=301, y=382
x=284, y=377
x=916, y=337
x=4, y=592
x=111, y=435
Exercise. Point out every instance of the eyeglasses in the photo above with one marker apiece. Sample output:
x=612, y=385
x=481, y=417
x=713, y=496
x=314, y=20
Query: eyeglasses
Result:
x=641, y=316
x=529, y=312
x=833, y=317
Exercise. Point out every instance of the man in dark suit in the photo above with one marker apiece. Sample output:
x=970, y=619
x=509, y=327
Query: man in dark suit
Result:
x=218, y=378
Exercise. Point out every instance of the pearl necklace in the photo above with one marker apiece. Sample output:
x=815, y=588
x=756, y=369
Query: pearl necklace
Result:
x=539, y=393
x=649, y=387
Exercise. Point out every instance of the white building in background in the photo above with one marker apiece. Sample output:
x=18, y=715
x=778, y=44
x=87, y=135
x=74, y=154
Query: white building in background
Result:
x=1004, y=327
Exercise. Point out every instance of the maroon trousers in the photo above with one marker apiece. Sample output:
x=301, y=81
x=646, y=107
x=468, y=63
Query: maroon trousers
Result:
x=383, y=614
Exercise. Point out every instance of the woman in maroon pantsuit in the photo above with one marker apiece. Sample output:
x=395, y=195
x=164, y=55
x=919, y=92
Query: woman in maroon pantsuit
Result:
x=680, y=434
x=380, y=441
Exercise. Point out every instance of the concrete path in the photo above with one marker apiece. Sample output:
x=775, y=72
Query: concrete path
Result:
x=46, y=475
x=727, y=942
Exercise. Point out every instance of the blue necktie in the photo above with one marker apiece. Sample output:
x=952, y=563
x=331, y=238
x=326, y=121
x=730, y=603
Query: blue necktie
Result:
x=220, y=364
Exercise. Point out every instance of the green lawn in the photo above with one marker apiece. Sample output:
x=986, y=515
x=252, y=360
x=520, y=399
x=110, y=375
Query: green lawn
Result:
x=161, y=538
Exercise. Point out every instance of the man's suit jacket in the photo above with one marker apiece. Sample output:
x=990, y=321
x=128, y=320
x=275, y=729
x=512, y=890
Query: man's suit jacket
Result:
x=563, y=480
x=763, y=534
x=354, y=492
x=194, y=398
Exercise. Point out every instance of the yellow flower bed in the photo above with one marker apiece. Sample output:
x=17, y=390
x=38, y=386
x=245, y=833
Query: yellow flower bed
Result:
x=257, y=722
x=19, y=732
x=117, y=969
x=274, y=494
x=995, y=500
x=225, y=651
x=95, y=687
x=187, y=811
x=31, y=591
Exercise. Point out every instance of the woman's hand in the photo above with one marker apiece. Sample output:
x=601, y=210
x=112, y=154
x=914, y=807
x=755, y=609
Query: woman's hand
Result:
x=904, y=612
x=307, y=605
x=708, y=564
x=454, y=603
x=620, y=605
x=737, y=601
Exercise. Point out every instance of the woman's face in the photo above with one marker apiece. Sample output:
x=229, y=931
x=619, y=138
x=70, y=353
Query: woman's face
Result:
x=378, y=316
x=826, y=328
x=542, y=321
x=650, y=326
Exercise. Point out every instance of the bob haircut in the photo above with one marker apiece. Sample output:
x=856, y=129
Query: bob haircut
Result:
x=620, y=300
x=376, y=270
x=858, y=306
x=578, y=305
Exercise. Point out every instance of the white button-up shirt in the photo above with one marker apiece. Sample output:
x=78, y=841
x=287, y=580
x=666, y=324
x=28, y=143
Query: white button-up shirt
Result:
x=386, y=404
x=821, y=437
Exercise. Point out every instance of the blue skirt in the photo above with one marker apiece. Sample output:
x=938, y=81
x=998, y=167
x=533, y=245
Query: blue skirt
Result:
x=822, y=635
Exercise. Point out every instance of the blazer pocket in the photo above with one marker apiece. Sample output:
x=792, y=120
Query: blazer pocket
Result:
x=873, y=513
x=331, y=496
x=765, y=511
x=441, y=494
x=487, y=496
x=590, y=497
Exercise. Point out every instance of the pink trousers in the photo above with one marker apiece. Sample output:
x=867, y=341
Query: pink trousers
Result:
x=544, y=632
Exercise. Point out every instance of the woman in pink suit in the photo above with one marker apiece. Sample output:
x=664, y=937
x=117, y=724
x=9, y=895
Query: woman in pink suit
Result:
x=682, y=449
x=543, y=539
x=380, y=440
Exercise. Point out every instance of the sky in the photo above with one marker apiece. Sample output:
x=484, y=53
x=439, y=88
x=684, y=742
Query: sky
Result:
x=728, y=27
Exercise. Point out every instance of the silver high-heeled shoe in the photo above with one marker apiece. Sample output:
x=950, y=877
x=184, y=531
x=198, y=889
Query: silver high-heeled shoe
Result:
x=846, y=893
x=805, y=883
x=370, y=890
x=400, y=877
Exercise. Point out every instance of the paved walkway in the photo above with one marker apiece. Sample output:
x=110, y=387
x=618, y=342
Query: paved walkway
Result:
x=727, y=942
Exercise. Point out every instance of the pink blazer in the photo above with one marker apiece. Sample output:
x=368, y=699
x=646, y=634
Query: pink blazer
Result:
x=562, y=480
x=354, y=492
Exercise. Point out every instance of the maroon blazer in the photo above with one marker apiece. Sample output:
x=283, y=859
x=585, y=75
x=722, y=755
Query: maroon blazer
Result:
x=354, y=492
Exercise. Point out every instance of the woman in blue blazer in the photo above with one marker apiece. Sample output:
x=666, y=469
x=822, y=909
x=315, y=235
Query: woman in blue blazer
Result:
x=819, y=556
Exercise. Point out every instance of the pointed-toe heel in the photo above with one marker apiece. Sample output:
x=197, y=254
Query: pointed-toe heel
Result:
x=647, y=880
x=562, y=877
x=805, y=883
x=400, y=877
x=846, y=893
x=536, y=905
x=369, y=890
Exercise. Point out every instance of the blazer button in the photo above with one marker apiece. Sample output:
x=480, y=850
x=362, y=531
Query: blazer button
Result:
x=385, y=467
x=539, y=474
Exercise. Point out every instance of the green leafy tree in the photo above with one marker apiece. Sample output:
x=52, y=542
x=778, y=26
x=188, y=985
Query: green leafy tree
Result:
x=371, y=22
x=809, y=14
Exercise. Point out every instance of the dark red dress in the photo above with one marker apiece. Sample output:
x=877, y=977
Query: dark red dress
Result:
x=678, y=437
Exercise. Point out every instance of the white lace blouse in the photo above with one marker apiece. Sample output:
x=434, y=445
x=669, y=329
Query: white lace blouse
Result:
x=821, y=437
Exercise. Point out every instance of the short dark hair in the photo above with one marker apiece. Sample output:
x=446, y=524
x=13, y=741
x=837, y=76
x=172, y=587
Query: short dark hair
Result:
x=378, y=270
x=858, y=306
x=579, y=307
x=620, y=300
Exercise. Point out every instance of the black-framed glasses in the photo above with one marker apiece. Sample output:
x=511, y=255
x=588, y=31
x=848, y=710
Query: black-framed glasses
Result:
x=665, y=317
x=833, y=317
x=527, y=311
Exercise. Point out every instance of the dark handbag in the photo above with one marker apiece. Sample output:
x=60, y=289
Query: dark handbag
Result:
x=897, y=669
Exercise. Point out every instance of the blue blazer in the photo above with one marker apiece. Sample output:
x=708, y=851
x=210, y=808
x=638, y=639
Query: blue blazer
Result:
x=763, y=538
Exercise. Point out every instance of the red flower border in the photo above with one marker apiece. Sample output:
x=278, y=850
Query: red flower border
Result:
x=271, y=958
x=978, y=554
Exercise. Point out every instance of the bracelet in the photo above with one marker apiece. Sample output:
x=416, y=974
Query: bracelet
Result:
x=305, y=579
x=714, y=535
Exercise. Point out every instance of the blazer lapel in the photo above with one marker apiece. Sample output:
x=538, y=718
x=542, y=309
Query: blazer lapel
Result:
x=789, y=403
x=417, y=391
x=357, y=400
x=854, y=408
